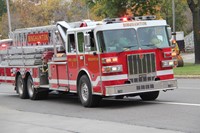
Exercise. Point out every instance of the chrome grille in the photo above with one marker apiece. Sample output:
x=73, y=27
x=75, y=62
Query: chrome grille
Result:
x=141, y=67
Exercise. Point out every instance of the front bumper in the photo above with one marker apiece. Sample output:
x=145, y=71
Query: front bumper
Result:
x=142, y=87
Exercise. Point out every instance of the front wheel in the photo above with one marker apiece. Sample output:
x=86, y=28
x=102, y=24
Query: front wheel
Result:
x=149, y=96
x=85, y=93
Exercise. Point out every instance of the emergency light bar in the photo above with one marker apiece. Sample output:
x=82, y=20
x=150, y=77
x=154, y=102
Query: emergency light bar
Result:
x=150, y=17
x=126, y=19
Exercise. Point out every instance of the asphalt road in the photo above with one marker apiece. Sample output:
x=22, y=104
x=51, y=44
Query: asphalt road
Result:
x=173, y=111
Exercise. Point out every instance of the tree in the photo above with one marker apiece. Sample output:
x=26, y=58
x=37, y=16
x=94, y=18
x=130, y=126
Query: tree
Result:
x=77, y=10
x=194, y=6
x=108, y=8
x=118, y=8
x=2, y=7
x=166, y=13
x=26, y=13
x=144, y=7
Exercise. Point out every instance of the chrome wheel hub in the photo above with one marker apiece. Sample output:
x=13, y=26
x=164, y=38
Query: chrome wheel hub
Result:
x=20, y=87
x=84, y=91
x=30, y=89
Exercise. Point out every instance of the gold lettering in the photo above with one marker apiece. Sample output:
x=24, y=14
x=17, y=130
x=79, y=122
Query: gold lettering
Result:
x=35, y=38
x=134, y=24
x=92, y=59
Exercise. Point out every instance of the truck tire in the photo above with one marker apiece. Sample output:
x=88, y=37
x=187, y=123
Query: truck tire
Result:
x=85, y=93
x=149, y=96
x=21, y=88
x=33, y=93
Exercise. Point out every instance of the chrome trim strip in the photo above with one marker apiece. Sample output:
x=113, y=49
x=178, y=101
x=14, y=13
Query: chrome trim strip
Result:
x=57, y=63
x=62, y=81
x=7, y=78
x=164, y=72
x=133, y=88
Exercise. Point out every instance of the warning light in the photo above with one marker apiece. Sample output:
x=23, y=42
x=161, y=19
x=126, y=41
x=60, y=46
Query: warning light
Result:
x=83, y=24
x=39, y=43
x=124, y=19
x=3, y=45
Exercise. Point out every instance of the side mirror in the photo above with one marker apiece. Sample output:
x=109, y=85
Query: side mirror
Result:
x=87, y=42
x=169, y=32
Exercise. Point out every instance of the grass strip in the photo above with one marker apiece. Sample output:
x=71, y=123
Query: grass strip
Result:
x=188, y=69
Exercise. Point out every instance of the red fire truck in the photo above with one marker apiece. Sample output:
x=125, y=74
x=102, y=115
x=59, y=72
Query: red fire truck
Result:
x=112, y=58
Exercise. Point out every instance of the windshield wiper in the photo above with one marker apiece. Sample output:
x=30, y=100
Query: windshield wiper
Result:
x=150, y=45
x=127, y=48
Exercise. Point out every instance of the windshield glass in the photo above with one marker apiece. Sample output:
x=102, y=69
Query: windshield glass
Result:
x=128, y=39
x=153, y=37
x=117, y=40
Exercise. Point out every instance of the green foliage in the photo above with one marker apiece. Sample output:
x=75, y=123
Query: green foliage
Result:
x=28, y=14
x=180, y=8
x=111, y=8
x=188, y=69
x=118, y=8
x=160, y=8
x=144, y=7
x=2, y=7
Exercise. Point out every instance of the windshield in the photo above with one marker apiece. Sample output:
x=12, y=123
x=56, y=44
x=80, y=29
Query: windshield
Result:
x=117, y=40
x=128, y=39
x=153, y=37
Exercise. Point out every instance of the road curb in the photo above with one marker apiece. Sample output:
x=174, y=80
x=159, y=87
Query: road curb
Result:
x=187, y=76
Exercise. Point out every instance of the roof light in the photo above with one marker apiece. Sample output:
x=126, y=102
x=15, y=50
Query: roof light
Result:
x=124, y=19
x=150, y=17
x=84, y=24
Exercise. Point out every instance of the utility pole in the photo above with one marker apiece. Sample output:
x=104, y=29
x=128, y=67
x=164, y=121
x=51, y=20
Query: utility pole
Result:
x=174, y=19
x=9, y=20
x=88, y=11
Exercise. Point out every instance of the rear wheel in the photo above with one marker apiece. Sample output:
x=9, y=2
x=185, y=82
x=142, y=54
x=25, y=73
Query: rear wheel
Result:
x=21, y=88
x=33, y=93
x=85, y=93
x=149, y=96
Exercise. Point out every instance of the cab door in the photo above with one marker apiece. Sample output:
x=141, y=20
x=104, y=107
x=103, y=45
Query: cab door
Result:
x=88, y=59
x=72, y=60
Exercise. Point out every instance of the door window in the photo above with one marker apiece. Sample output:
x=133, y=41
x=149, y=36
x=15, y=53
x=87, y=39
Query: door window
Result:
x=71, y=43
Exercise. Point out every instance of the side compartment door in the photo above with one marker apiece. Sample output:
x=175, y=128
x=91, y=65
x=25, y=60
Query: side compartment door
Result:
x=58, y=74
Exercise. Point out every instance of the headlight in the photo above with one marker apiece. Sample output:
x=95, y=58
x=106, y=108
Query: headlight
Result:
x=168, y=63
x=112, y=69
